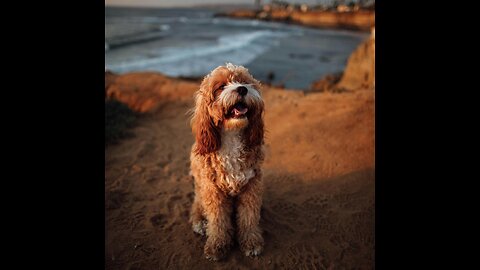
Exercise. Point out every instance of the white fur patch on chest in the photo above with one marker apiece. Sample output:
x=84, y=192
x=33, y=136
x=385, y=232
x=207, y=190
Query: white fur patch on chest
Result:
x=230, y=156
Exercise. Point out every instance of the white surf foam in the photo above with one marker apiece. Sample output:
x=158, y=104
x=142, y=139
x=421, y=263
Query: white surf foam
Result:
x=198, y=60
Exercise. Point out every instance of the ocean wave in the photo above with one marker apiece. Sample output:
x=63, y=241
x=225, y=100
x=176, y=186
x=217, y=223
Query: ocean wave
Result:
x=196, y=60
x=247, y=23
x=164, y=27
x=154, y=20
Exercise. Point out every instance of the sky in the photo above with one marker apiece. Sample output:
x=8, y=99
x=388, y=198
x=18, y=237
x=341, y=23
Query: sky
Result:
x=177, y=3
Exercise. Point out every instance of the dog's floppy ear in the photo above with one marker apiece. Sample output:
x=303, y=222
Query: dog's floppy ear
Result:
x=207, y=135
x=254, y=131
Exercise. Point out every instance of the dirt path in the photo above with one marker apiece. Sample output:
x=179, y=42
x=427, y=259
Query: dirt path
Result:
x=319, y=202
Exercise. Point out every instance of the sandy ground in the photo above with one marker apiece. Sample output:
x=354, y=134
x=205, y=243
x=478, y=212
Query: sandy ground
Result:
x=319, y=201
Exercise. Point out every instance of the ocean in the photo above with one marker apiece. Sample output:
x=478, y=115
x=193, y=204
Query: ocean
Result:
x=190, y=42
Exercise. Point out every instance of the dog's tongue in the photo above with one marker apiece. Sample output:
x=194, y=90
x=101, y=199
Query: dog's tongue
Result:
x=240, y=109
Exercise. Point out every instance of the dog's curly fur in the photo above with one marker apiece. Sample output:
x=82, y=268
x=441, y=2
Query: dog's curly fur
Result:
x=225, y=161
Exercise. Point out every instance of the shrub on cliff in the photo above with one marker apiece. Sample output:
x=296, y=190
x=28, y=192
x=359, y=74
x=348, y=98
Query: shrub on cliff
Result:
x=327, y=83
x=118, y=119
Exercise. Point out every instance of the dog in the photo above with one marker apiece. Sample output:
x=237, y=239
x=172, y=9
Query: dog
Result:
x=226, y=159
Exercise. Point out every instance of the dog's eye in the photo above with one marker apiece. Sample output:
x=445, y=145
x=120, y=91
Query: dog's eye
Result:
x=219, y=90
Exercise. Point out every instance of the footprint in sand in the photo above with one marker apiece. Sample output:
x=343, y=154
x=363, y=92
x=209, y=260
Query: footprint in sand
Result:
x=159, y=220
x=287, y=210
x=305, y=257
x=315, y=203
x=173, y=202
x=115, y=199
x=274, y=223
x=136, y=219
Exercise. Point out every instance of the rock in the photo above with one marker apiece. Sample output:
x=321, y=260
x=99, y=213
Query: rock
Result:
x=326, y=84
x=360, y=70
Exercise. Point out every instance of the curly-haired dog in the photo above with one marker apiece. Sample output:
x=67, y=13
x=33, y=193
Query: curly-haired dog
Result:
x=225, y=161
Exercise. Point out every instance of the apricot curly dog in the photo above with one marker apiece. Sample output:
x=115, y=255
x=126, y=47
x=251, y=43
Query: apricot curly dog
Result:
x=227, y=122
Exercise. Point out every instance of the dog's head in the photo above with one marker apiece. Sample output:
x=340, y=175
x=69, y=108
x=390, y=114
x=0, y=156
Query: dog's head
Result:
x=228, y=99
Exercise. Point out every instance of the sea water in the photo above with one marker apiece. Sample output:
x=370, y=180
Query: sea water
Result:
x=190, y=42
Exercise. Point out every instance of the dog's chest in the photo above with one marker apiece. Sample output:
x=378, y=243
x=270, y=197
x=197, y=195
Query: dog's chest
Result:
x=234, y=164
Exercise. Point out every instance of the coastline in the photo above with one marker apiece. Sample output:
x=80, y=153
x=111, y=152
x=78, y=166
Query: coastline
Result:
x=191, y=42
x=362, y=20
x=146, y=91
x=358, y=74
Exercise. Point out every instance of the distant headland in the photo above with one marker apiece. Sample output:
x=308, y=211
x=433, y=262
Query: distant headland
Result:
x=352, y=17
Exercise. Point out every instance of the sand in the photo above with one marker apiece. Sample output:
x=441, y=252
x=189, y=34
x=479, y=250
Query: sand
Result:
x=319, y=174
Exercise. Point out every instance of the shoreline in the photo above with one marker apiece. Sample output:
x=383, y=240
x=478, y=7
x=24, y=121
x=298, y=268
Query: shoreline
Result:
x=359, y=20
x=359, y=73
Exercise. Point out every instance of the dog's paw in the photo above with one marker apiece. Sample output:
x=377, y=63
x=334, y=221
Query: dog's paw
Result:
x=252, y=246
x=200, y=227
x=254, y=251
x=215, y=249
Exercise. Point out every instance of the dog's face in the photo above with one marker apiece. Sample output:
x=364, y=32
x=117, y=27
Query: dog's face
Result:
x=228, y=99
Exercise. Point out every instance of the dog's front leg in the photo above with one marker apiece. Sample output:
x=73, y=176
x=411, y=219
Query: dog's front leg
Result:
x=218, y=210
x=249, y=203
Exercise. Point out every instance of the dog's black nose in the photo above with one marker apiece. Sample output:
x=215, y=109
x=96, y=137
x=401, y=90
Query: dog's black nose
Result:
x=242, y=90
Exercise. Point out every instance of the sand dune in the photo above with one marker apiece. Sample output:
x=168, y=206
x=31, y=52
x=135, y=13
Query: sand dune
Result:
x=319, y=202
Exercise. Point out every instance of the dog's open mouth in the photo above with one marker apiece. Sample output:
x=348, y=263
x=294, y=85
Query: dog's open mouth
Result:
x=239, y=110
